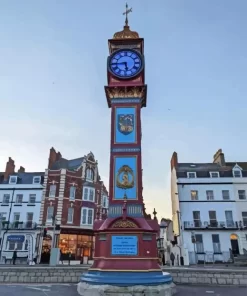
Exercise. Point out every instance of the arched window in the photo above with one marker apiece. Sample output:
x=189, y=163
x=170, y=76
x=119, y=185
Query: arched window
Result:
x=89, y=174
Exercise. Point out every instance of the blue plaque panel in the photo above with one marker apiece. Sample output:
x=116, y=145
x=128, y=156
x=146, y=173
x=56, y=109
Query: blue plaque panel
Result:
x=124, y=245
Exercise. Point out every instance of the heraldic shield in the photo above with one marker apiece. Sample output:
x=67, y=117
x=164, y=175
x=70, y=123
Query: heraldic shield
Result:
x=126, y=123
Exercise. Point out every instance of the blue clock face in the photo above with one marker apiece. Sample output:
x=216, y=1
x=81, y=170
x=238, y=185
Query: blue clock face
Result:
x=125, y=63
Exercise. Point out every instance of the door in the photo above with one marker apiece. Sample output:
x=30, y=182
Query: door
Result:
x=234, y=244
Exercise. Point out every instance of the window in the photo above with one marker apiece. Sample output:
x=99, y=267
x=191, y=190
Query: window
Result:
x=11, y=245
x=36, y=180
x=191, y=175
x=229, y=219
x=241, y=194
x=105, y=202
x=70, y=215
x=214, y=174
x=197, y=218
x=29, y=217
x=216, y=243
x=3, y=216
x=244, y=216
x=194, y=194
x=19, y=198
x=32, y=198
x=199, y=243
x=12, y=179
x=29, y=223
x=88, y=194
x=72, y=193
x=237, y=174
x=50, y=212
x=213, y=219
x=19, y=246
x=89, y=174
x=52, y=192
x=210, y=194
x=225, y=194
x=16, y=217
x=6, y=198
x=87, y=216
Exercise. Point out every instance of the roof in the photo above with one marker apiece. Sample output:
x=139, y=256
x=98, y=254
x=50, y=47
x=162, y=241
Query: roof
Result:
x=24, y=178
x=203, y=169
x=63, y=163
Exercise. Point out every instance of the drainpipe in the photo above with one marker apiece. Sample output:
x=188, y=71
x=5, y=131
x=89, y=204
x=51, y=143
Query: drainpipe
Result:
x=10, y=210
x=179, y=226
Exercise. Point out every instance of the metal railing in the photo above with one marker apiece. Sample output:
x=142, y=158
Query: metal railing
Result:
x=19, y=225
x=213, y=224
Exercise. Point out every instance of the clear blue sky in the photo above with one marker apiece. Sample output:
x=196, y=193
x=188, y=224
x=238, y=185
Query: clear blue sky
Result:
x=53, y=71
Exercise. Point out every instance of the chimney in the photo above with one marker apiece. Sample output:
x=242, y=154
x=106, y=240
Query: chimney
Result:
x=10, y=168
x=21, y=169
x=219, y=158
x=174, y=160
x=54, y=156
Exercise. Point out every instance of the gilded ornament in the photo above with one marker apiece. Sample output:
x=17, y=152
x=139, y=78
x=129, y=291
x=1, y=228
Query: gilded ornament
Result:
x=125, y=178
x=124, y=224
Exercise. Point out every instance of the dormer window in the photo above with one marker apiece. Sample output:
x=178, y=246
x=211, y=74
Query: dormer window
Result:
x=237, y=174
x=214, y=174
x=191, y=175
x=12, y=179
x=36, y=180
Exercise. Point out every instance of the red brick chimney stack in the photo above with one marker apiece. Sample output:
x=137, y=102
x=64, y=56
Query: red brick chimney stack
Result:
x=21, y=169
x=54, y=156
x=219, y=158
x=10, y=168
x=174, y=160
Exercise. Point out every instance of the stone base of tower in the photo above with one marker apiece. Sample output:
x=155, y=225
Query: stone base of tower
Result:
x=126, y=284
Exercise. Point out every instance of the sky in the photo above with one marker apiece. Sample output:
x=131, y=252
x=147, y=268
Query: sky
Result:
x=53, y=71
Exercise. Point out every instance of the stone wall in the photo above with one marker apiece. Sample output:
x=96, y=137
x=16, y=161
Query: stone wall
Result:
x=33, y=274
x=71, y=274
x=206, y=276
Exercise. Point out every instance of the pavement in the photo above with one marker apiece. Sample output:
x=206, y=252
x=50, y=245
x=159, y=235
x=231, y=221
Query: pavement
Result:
x=70, y=290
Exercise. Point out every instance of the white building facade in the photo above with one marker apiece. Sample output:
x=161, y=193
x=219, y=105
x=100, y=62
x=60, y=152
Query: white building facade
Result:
x=20, y=200
x=210, y=208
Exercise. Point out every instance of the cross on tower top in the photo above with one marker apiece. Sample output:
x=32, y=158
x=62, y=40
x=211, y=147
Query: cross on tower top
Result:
x=127, y=11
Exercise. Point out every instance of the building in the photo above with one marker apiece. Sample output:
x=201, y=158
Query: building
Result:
x=209, y=208
x=72, y=198
x=20, y=199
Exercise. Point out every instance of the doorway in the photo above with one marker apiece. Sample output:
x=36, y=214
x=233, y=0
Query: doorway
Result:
x=46, y=250
x=234, y=244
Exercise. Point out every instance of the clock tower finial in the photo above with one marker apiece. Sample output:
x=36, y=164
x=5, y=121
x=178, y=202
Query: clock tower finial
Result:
x=127, y=11
x=126, y=33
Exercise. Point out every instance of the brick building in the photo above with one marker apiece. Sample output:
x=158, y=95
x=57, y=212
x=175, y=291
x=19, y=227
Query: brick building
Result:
x=72, y=198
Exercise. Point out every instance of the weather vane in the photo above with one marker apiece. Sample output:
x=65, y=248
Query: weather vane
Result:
x=127, y=11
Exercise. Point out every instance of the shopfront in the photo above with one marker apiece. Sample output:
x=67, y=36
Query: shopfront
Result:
x=77, y=247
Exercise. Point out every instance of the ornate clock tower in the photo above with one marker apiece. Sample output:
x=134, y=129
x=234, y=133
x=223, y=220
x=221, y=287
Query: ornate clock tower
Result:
x=125, y=243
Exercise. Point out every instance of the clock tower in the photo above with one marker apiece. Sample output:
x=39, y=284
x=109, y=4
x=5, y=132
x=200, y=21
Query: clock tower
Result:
x=125, y=243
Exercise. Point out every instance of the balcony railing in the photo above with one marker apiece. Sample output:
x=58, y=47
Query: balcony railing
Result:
x=19, y=225
x=213, y=224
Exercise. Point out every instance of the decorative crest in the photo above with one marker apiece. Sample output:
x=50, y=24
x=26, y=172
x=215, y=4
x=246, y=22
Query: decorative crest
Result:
x=125, y=177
